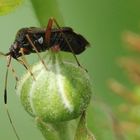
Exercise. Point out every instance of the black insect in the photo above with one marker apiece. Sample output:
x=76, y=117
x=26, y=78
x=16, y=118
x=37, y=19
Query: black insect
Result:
x=33, y=40
x=36, y=40
x=38, y=37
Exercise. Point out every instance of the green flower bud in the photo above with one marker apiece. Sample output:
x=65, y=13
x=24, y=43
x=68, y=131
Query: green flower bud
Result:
x=60, y=93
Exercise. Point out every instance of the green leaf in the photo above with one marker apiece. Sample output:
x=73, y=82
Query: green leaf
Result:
x=7, y=6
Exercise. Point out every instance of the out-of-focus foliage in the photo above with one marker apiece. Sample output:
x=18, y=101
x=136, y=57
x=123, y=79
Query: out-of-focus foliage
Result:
x=7, y=6
x=130, y=125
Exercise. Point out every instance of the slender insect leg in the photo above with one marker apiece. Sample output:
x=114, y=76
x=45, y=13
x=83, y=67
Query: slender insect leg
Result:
x=5, y=98
x=21, y=62
x=32, y=44
x=14, y=74
x=48, y=31
x=26, y=63
x=68, y=44
x=50, y=24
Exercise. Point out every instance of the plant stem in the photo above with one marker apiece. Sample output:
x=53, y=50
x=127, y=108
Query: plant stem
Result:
x=59, y=130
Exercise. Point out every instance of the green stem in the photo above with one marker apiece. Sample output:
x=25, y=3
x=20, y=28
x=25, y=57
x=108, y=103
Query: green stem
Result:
x=45, y=9
x=68, y=130
x=57, y=131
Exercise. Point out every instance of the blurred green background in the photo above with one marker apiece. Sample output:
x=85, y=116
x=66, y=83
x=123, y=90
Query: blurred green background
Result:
x=102, y=23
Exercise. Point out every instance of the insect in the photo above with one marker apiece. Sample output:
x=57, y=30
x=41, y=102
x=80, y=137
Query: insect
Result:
x=42, y=42
x=36, y=40
x=33, y=40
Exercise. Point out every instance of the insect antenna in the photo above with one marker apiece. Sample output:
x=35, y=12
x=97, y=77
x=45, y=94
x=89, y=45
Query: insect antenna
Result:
x=25, y=63
x=32, y=44
x=48, y=34
x=10, y=66
x=2, y=54
x=5, y=97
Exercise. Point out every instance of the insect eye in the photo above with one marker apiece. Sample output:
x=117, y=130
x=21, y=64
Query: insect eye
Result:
x=40, y=40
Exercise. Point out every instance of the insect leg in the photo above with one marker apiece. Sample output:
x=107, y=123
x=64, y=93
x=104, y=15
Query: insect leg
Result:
x=48, y=31
x=25, y=63
x=14, y=74
x=5, y=97
x=50, y=23
x=21, y=62
x=32, y=44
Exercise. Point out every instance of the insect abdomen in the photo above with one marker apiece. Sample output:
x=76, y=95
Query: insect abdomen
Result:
x=69, y=41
